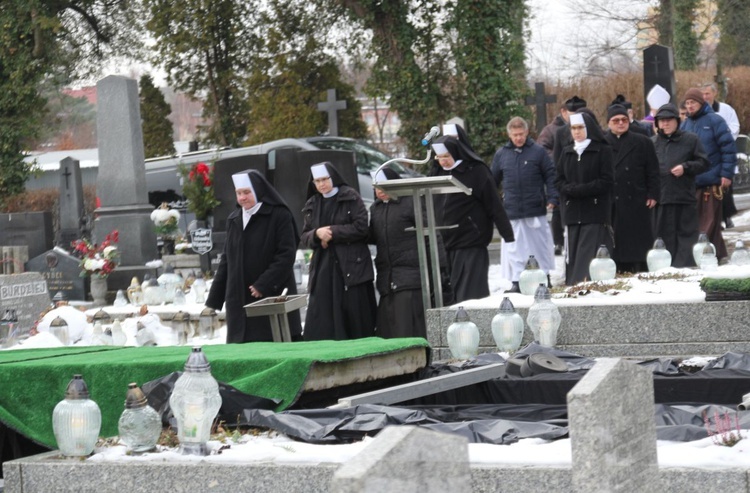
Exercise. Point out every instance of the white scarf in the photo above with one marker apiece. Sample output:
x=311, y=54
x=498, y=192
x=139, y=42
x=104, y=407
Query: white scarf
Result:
x=248, y=213
x=581, y=146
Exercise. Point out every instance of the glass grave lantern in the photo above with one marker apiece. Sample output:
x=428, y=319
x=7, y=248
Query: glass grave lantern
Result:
x=207, y=323
x=199, y=288
x=709, y=262
x=135, y=292
x=154, y=293
x=139, y=425
x=699, y=246
x=463, y=336
x=602, y=267
x=144, y=335
x=531, y=276
x=102, y=317
x=544, y=318
x=740, y=255
x=181, y=327
x=507, y=327
x=170, y=281
x=118, y=336
x=76, y=420
x=658, y=257
x=59, y=328
x=179, y=296
x=195, y=401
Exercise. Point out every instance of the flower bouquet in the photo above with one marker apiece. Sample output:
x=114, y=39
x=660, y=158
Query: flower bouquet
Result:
x=98, y=260
x=197, y=187
x=165, y=221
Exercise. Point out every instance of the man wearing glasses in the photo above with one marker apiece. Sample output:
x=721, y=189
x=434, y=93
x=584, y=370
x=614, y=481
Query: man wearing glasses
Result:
x=635, y=192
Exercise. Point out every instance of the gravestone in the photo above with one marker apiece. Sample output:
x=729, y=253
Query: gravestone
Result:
x=121, y=181
x=62, y=272
x=658, y=68
x=291, y=179
x=407, y=459
x=332, y=107
x=32, y=229
x=72, y=210
x=27, y=294
x=612, y=429
x=540, y=100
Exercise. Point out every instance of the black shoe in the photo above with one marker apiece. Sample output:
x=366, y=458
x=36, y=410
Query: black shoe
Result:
x=729, y=223
x=515, y=288
x=558, y=250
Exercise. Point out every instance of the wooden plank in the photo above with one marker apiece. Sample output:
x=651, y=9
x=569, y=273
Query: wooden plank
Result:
x=408, y=391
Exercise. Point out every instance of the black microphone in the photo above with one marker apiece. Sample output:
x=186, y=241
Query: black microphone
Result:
x=434, y=132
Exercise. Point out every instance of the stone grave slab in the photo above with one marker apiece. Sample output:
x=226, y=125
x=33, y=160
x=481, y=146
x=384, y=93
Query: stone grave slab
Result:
x=62, y=272
x=27, y=294
x=612, y=429
x=32, y=229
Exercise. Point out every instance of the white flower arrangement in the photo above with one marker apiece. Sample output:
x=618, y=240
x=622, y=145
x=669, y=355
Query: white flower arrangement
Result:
x=166, y=220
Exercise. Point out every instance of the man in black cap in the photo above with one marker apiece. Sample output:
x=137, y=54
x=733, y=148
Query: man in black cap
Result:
x=636, y=191
x=635, y=126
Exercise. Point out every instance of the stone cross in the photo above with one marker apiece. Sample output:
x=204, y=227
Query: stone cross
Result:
x=72, y=210
x=540, y=100
x=407, y=459
x=658, y=68
x=331, y=106
x=612, y=429
x=121, y=179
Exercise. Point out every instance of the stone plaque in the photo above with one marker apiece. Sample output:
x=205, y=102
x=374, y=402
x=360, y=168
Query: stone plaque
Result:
x=62, y=273
x=27, y=294
x=200, y=240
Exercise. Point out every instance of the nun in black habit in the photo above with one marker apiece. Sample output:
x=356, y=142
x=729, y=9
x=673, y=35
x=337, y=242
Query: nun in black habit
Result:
x=475, y=215
x=261, y=245
x=342, y=296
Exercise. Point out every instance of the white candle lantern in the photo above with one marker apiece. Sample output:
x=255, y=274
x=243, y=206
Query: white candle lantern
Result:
x=602, y=267
x=76, y=420
x=507, y=327
x=531, y=277
x=658, y=257
x=139, y=425
x=463, y=336
x=544, y=318
x=699, y=246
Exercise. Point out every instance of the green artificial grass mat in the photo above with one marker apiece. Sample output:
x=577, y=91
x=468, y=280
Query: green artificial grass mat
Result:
x=34, y=380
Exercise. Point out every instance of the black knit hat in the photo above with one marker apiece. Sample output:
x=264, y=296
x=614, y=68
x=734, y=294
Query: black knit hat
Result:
x=616, y=109
x=575, y=103
x=620, y=99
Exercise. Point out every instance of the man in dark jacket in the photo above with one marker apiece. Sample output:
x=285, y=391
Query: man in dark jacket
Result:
x=258, y=259
x=719, y=145
x=474, y=214
x=636, y=191
x=681, y=159
x=527, y=175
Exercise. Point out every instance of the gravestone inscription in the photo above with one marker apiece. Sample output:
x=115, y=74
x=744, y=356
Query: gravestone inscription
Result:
x=27, y=294
x=61, y=271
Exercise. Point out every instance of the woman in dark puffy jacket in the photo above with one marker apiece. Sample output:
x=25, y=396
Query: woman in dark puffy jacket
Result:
x=342, y=297
x=399, y=282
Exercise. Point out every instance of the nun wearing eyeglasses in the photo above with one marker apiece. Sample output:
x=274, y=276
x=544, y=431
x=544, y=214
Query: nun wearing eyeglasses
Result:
x=341, y=303
x=475, y=215
x=585, y=181
x=258, y=259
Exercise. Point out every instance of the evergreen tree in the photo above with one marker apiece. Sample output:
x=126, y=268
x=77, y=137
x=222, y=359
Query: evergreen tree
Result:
x=734, y=22
x=157, y=129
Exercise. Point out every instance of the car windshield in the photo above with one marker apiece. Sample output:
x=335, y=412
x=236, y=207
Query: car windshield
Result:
x=369, y=158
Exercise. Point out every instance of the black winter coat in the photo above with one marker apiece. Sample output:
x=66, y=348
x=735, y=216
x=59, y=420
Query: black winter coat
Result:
x=262, y=255
x=636, y=181
x=585, y=184
x=350, y=230
x=683, y=148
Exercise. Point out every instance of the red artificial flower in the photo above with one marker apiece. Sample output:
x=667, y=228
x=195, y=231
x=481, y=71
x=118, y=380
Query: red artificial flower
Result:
x=202, y=169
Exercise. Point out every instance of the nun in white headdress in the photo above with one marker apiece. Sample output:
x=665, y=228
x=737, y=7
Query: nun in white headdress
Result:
x=585, y=181
x=258, y=259
x=341, y=302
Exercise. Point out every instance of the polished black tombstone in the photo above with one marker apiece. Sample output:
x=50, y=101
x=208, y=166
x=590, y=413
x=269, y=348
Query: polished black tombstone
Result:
x=33, y=229
x=62, y=272
x=658, y=68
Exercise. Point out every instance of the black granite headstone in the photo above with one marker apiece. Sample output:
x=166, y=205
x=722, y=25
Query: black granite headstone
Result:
x=658, y=68
x=33, y=229
x=291, y=178
x=72, y=210
x=61, y=271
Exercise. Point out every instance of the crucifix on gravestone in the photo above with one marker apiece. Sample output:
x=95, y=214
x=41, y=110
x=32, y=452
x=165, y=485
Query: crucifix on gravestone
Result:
x=71, y=206
x=540, y=100
x=658, y=68
x=331, y=106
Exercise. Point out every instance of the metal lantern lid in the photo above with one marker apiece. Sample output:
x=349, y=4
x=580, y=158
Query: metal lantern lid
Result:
x=702, y=237
x=602, y=252
x=542, y=293
x=181, y=317
x=103, y=317
x=135, y=398
x=168, y=268
x=59, y=297
x=77, y=388
x=58, y=322
x=532, y=263
x=462, y=315
x=659, y=244
x=197, y=362
x=208, y=312
x=708, y=249
x=506, y=306
x=153, y=283
x=739, y=244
